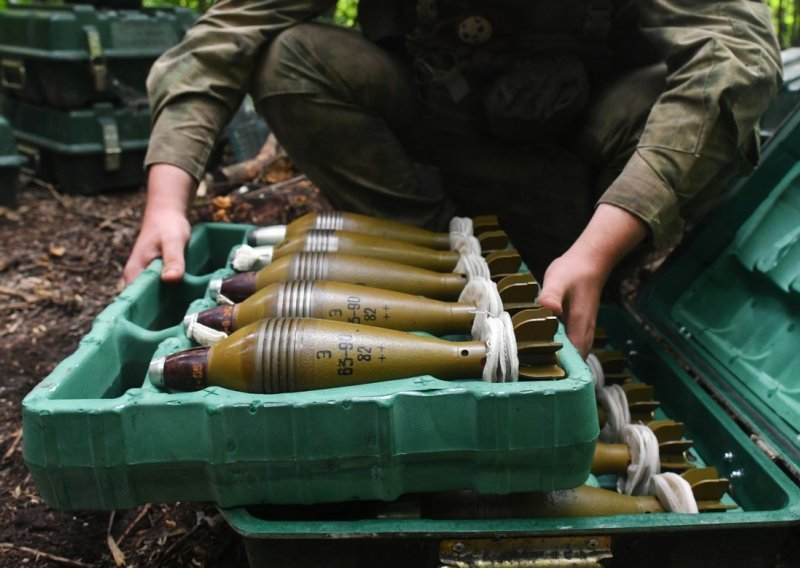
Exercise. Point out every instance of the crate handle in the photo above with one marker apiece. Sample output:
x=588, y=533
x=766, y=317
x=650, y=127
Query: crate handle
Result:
x=12, y=74
x=111, y=147
x=97, y=60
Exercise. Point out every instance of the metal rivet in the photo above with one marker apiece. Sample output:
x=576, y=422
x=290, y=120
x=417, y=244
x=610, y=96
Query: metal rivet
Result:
x=737, y=474
x=728, y=456
x=592, y=543
x=458, y=547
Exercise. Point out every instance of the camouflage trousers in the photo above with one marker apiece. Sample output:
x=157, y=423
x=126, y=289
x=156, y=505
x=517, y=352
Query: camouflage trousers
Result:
x=349, y=114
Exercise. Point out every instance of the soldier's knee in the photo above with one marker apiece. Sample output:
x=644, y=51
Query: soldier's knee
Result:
x=284, y=62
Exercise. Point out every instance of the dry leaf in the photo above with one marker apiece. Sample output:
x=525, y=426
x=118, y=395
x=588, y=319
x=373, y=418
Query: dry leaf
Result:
x=9, y=214
x=220, y=216
x=57, y=251
x=221, y=202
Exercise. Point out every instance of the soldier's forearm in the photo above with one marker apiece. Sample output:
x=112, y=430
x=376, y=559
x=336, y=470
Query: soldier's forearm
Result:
x=611, y=233
x=169, y=190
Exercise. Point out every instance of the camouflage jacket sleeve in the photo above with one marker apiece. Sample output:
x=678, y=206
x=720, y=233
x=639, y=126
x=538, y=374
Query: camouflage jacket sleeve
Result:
x=196, y=86
x=723, y=67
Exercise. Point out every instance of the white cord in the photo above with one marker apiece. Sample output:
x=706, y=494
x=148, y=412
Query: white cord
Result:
x=645, y=460
x=502, y=362
x=483, y=293
x=224, y=300
x=247, y=258
x=615, y=404
x=202, y=334
x=465, y=244
x=474, y=266
x=460, y=226
x=674, y=493
x=597, y=370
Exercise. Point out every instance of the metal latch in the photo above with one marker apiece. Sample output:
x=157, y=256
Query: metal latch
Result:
x=12, y=74
x=525, y=552
x=97, y=62
x=111, y=147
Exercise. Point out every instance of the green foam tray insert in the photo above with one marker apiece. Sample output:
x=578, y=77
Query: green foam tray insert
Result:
x=98, y=435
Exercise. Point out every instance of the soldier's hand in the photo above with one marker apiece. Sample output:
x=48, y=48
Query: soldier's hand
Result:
x=162, y=236
x=574, y=281
x=571, y=290
x=165, y=227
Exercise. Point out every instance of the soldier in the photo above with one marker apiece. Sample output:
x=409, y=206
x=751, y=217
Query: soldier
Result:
x=592, y=127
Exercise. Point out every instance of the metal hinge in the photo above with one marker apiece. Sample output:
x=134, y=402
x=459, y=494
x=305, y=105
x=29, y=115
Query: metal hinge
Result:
x=525, y=552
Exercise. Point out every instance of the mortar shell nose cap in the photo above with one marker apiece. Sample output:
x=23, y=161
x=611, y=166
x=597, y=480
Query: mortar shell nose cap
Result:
x=266, y=235
x=156, y=372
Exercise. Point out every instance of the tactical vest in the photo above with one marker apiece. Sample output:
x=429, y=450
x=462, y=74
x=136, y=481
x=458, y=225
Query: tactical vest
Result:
x=519, y=69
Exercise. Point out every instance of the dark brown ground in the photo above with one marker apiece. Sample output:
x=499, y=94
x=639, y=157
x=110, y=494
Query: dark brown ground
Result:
x=61, y=263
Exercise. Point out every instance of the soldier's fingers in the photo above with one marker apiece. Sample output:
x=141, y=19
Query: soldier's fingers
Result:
x=174, y=265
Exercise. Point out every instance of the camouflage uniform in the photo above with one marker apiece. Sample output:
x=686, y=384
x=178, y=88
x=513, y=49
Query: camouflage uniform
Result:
x=671, y=111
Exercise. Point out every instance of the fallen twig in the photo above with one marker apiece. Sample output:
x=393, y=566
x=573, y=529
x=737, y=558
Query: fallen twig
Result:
x=41, y=554
x=57, y=196
x=30, y=298
x=116, y=553
x=13, y=447
x=174, y=545
x=133, y=523
x=258, y=193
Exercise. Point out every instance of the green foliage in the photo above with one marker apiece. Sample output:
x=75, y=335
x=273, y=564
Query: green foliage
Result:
x=786, y=16
x=346, y=13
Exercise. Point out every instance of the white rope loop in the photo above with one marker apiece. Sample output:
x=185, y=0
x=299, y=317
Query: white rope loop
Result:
x=224, y=300
x=615, y=404
x=645, y=460
x=473, y=266
x=202, y=334
x=502, y=362
x=247, y=258
x=674, y=493
x=465, y=244
x=460, y=226
x=484, y=294
x=597, y=370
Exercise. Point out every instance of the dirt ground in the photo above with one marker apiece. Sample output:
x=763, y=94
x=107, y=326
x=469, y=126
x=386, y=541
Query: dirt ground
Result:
x=61, y=262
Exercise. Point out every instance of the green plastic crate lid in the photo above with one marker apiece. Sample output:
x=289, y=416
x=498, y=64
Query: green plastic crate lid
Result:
x=729, y=300
x=79, y=131
x=8, y=150
x=60, y=32
x=99, y=435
